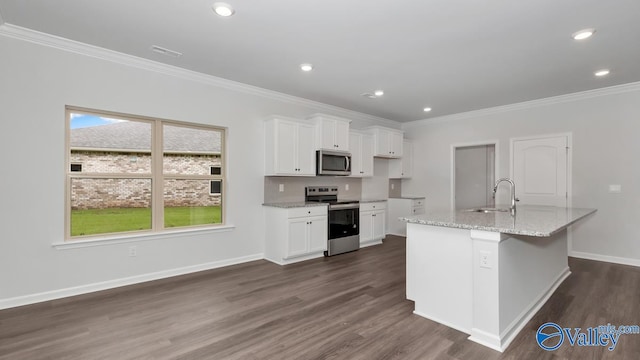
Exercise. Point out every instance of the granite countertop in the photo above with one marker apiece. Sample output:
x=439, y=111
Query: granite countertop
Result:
x=409, y=197
x=295, y=204
x=364, y=201
x=530, y=220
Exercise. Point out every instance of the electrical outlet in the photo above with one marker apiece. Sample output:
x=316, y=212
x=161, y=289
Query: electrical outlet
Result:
x=281, y=187
x=615, y=188
x=346, y=187
x=485, y=259
x=393, y=186
x=133, y=251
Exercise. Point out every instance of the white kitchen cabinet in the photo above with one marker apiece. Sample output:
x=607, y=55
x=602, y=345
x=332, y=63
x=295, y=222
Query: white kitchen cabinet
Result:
x=372, y=223
x=387, y=142
x=289, y=148
x=361, y=154
x=402, y=168
x=332, y=133
x=402, y=207
x=295, y=234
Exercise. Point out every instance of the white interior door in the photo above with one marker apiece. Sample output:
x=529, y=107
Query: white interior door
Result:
x=540, y=170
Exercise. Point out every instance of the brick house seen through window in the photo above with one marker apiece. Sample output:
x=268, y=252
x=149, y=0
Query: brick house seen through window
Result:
x=139, y=174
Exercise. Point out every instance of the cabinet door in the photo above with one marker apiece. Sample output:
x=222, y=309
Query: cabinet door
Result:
x=341, y=135
x=286, y=147
x=395, y=143
x=298, y=237
x=318, y=234
x=306, y=152
x=366, y=156
x=326, y=135
x=366, y=226
x=382, y=143
x=379, y=222
x=356, y=154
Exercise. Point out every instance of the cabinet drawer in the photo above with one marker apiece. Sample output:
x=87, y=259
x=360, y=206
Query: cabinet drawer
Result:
x=373, y=206
x=417, y=202
x=308, y=211
x=417, y=210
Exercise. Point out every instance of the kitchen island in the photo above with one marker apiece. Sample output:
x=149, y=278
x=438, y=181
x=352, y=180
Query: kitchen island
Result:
x=487, y=274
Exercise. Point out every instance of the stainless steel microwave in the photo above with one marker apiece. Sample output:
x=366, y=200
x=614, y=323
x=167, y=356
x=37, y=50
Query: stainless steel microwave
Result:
x=335, y=163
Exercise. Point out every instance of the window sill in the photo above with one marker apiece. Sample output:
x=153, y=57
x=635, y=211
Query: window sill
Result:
x=121, y=239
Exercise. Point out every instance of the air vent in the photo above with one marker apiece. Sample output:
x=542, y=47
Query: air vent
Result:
x=165, y=51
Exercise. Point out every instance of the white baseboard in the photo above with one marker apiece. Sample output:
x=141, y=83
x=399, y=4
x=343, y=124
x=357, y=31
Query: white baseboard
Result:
x=605, y=258
x=110, y=284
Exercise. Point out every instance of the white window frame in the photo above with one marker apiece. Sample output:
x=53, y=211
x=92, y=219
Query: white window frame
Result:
x=157, y=177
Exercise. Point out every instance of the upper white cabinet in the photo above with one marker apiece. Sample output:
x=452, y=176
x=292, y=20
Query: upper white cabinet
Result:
x=387, y=141
x=402, y=168
x=332, y=133
x=361, y=154
x=290, y=147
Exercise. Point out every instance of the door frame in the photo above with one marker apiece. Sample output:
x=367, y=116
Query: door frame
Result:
x=454, y=146
x=569, y=136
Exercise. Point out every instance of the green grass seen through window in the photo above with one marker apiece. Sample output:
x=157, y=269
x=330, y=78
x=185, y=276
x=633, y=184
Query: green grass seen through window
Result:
x=106, y=221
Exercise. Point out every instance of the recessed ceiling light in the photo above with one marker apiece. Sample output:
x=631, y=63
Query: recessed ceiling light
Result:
x=583, y=34
x=223, y=9
x=306, y=67
x=603, y=72
x=427, y=109
x=369, y=95
x=378, y=93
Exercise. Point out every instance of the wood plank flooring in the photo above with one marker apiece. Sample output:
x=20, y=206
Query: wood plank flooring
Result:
x=350, y=306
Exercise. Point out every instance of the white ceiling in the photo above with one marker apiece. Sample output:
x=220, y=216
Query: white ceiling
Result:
x=451, y=55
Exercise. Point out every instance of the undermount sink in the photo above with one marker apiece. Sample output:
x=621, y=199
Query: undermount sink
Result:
x=488, y=210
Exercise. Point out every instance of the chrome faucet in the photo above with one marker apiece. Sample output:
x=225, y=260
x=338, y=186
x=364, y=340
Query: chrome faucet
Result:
x=513, y=193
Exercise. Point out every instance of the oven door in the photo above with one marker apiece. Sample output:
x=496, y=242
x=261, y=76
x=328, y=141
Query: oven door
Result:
x=344, y=220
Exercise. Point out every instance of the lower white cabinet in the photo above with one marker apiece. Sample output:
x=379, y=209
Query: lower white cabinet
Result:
x=295, y=234
x=401, y=207
x=372, y=223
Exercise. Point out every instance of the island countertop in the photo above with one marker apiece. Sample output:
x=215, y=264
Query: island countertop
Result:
x=529, y=220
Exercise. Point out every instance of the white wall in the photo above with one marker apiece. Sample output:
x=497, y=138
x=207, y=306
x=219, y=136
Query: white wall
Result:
x=606, y=150
x=36, y=82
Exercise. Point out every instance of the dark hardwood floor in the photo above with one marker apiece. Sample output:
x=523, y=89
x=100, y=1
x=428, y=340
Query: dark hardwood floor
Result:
x=350, y=306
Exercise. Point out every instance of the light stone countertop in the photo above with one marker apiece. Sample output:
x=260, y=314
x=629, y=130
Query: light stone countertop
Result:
x=295, y=204
x=530, y=220
x=364, y=201
x=409, y=197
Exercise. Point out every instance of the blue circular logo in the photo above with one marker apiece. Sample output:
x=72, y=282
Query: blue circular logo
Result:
x=549, y=336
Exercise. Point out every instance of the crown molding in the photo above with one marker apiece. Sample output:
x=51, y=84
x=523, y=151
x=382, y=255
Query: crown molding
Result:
x=583, y=95
x=60, y=43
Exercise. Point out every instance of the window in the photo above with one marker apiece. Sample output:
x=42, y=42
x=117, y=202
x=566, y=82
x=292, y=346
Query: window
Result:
x=132, y=174
x=216, y=187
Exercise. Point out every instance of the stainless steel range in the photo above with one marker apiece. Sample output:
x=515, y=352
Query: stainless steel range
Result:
x=344, y=219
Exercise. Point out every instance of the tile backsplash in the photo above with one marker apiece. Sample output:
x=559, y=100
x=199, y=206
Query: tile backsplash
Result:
x=293, y=187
